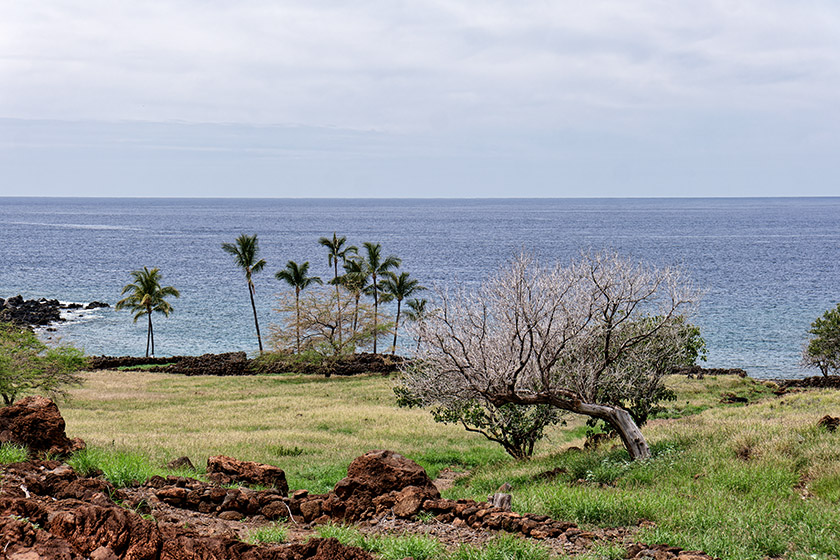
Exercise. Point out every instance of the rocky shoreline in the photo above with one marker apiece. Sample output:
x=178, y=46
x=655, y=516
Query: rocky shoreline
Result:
x=39, y=312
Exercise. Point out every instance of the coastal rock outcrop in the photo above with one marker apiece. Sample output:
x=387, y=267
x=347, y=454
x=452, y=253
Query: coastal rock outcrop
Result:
x=36, y=423
x=38, y=312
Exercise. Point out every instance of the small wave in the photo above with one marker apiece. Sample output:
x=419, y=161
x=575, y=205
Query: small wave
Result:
x=79, y=226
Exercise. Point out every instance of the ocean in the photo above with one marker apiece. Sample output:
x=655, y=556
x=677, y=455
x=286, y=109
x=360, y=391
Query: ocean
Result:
x=768, y=266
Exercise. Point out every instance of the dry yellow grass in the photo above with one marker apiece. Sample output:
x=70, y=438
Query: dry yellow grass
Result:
x=310, y=426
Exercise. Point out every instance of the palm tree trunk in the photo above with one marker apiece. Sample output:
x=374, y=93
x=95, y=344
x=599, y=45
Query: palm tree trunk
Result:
x=297, y=323
x=152, y=332
x=256, y=323
x=396, y=326
x=375, y=313
x=356, y=313
x=337, y=299
x=148, y=333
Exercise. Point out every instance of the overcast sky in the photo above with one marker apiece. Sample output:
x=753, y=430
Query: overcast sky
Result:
x=384, y=98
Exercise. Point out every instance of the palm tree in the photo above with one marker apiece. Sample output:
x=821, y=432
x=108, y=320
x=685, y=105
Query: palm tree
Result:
x=337, y=251
x=245, y=252
x=356, y=280
x=417, y=313
x=295, y=276
x=377, y=266
x=146, y=296
x=399, y=288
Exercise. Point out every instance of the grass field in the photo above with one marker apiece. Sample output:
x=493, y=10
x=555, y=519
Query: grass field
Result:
x=755, y=481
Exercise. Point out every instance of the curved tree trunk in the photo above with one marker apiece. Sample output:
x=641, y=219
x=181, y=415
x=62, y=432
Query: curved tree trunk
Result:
x=623, y=423
x=256, y=322
x=615, y=416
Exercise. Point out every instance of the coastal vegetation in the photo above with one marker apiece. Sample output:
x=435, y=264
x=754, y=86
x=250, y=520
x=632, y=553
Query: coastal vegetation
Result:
x=28, y=365
x=147, y=296
x=245, y=252
x=822, y=350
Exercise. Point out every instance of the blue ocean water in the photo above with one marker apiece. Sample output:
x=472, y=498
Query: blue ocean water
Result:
x=768, y=266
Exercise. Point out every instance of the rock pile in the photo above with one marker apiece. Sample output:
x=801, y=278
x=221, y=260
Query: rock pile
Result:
x=36, y=423
x=47, y=512
x=818, y=382
x=227, y=470
x=238, y=363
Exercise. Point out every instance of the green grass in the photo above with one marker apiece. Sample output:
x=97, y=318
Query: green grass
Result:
x=739, y=481
x=268, y=534
x=120, y=468
x=13, y=453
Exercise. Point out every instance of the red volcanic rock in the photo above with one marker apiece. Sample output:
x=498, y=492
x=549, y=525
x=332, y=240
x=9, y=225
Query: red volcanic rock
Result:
x=385, y=471
x=830, y=423
x=227, y=470
x=36, y=423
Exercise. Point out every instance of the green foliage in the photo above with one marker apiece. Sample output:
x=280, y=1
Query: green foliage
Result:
x=28, y=365
x=273, y=533
x=823, y=349
x=13, y=453
x=517, y=428
x=640, y=390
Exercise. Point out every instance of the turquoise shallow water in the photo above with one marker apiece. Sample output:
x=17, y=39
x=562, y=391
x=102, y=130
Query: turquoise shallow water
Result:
x=768, y=266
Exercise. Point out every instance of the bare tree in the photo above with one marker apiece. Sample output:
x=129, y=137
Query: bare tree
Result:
x=580, y=338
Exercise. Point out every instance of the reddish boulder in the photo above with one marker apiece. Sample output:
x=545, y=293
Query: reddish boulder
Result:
x=383, y=471
x=36, y=423
x=830, y=423
x=227, y=470
x=409, y=501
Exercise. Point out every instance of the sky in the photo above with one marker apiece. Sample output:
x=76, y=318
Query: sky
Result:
x=427, y=98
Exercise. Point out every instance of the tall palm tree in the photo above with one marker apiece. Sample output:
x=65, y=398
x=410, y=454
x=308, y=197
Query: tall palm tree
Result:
x=356, y=280
x=417, y=313
x=146, y=296
x=295, y=275
x=337, y=252
x=399, y=288
x=245, y=251
x=376, y=267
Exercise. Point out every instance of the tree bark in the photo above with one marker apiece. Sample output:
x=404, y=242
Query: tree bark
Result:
x=615, y=416
x=256, y=322
x=375, y=313
x=148, y=333
x=297, y=323
x=396, y=326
